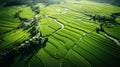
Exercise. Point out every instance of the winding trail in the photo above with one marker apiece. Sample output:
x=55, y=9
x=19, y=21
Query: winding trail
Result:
x=59, y=22
x=62, y=25
x=33, y=44
x=114, y=39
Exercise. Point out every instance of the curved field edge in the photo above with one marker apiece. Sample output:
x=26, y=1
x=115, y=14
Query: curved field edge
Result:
x=77, y=44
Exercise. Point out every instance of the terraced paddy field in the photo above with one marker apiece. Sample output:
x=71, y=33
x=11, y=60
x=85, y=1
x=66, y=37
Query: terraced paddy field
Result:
x=69, y=34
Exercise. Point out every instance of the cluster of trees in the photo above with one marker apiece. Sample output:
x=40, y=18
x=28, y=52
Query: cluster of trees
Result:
x=25, y=23
x=104, y=19
x=36, y=9
x=13, y=2
x=48, y=2
x=26, y=49
x=113, y=2
x=19, y=2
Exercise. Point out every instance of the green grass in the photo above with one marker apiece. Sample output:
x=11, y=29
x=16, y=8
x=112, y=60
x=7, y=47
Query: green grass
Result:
x=26, y=12
x=13, y=38
x=114, y=31
x=76, y=45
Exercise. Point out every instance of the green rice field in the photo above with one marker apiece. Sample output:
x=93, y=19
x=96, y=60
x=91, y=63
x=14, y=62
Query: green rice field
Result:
x=79, y=33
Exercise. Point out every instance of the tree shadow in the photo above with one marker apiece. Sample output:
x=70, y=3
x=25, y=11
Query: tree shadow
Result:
x=14, y=3
x=8, y=56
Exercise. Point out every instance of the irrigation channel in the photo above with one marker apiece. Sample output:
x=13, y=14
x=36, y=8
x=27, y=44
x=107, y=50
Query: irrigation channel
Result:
x=29, y=47
x=113, y=39
x=62, y=25
x=57, y=21
x=103, y=21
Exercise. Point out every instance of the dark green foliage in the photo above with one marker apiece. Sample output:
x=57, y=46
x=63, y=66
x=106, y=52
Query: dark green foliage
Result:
x=29, y=2
x=75, y=44
x=114, y=2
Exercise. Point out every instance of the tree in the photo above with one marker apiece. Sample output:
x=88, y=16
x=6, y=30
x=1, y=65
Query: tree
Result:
x=113, y=2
